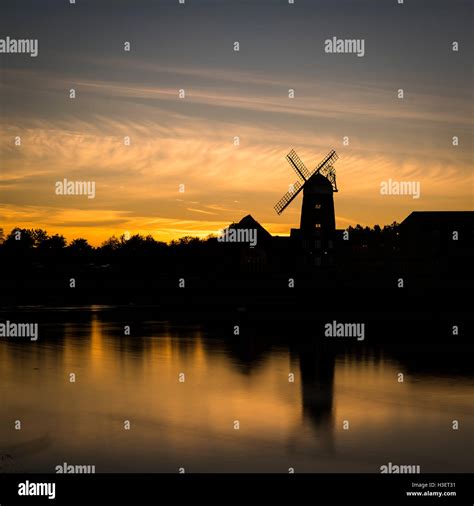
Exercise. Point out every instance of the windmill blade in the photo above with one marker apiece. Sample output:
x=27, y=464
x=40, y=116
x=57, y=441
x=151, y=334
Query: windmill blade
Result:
x=298, y=165
x=288, y=197
x=329, y=160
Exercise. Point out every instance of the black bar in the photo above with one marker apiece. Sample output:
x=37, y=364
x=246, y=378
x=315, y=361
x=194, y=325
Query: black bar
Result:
x=242, y=489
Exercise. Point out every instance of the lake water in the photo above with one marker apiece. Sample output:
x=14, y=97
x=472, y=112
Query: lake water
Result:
x=191, y=424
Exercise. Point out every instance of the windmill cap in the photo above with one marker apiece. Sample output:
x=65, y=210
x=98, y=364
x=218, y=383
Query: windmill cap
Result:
x=318, y=184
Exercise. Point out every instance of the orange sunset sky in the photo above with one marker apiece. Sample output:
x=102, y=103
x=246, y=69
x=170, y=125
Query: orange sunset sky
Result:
x=229, y=94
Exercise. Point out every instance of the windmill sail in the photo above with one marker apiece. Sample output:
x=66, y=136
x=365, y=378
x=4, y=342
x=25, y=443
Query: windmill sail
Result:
x=329, y=160
x=288, y=197
x=298, y=165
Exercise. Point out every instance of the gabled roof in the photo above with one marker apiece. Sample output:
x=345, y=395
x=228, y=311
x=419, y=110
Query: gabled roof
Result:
x=248, y=222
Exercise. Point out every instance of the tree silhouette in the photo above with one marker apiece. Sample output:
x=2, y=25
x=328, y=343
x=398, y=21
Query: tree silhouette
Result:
x=54, y=243
x=80, y=245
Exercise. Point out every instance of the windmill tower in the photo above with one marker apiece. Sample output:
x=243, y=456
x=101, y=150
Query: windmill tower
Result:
x=318, y=223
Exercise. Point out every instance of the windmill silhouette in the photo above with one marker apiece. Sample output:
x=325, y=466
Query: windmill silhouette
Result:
x=318, y=223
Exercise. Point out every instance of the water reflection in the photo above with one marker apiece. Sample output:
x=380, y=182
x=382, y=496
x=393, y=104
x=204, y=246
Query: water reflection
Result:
x=190, y=424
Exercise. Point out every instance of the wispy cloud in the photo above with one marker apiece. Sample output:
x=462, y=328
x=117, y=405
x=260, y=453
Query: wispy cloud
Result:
x=259, y=94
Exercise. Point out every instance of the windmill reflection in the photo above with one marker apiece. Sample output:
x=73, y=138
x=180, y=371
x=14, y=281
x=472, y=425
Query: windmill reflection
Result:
x=317, y=384
x=316, y=361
